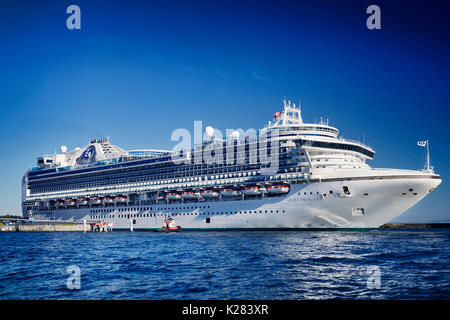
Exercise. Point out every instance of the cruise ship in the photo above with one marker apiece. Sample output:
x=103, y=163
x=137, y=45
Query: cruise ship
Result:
x=289, y=175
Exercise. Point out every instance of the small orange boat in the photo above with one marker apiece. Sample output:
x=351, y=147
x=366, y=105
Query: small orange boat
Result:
x=169, y=226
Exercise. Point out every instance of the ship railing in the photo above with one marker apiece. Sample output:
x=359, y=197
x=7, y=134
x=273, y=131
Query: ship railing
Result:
x=392, y=169
x=355, y=142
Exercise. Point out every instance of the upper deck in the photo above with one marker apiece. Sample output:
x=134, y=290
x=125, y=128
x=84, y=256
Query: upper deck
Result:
x=100, y=155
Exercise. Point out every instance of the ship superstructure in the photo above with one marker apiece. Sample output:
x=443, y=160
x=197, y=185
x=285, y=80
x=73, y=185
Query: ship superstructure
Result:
x=291, y=175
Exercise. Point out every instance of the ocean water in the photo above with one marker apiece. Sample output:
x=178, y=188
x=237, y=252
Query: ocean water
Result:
x=377, y=264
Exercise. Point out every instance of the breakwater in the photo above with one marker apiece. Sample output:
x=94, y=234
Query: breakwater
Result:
x=49, y=226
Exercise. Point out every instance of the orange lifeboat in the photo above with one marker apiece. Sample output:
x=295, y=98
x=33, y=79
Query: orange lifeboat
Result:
x=82, y=202
x=173, y=196
x=60, y=203
x=69, y=202
x=251, y=191
x=107, y=200
x=188, y=195
x=229, y=192
x=278, y=189
x=210, y=193
x=94, y=200
x=120, y=199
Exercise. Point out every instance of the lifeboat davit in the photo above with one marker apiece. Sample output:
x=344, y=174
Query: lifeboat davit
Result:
x=278, y=189
x=94, y=201
x=69, y=202
x=251, y=191
x=60, y=203
x=229, y=192
x=210, y=193
x=173, y=196
x=82, y=202
x=158, y=197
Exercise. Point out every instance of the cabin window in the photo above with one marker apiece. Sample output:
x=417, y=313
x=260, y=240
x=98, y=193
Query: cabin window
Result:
x=346, y=191
x=357, y=212
x=208, y=220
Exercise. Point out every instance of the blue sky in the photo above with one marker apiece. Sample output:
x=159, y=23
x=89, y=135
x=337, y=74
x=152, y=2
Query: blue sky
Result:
x=138, y=70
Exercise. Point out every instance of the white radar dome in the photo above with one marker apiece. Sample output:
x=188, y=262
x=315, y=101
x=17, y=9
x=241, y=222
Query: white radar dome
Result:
x=209, y=131
x=63, y=149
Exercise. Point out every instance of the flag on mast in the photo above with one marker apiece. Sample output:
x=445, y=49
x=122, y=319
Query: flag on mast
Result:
x=422, y=143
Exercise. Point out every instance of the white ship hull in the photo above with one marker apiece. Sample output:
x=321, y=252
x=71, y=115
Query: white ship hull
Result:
x=372, y=203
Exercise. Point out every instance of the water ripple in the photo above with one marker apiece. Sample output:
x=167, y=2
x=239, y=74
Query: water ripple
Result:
x=227, y=265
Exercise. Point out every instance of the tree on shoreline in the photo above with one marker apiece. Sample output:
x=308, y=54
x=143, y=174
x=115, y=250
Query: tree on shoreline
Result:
x=10, y=216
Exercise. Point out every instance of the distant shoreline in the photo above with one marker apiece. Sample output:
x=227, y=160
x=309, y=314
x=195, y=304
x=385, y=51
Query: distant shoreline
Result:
x=415, y=225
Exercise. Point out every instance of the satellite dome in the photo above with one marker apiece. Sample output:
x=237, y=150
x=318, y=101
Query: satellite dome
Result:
x=63, y=149
x=209, y=131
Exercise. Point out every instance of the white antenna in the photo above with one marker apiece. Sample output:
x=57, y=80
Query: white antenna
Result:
x=289, y=115
x=429, y=168
x=299, y=109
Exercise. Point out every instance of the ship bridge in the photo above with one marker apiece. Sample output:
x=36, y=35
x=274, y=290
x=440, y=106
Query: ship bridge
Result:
x=289, y=122
x=317, y=144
